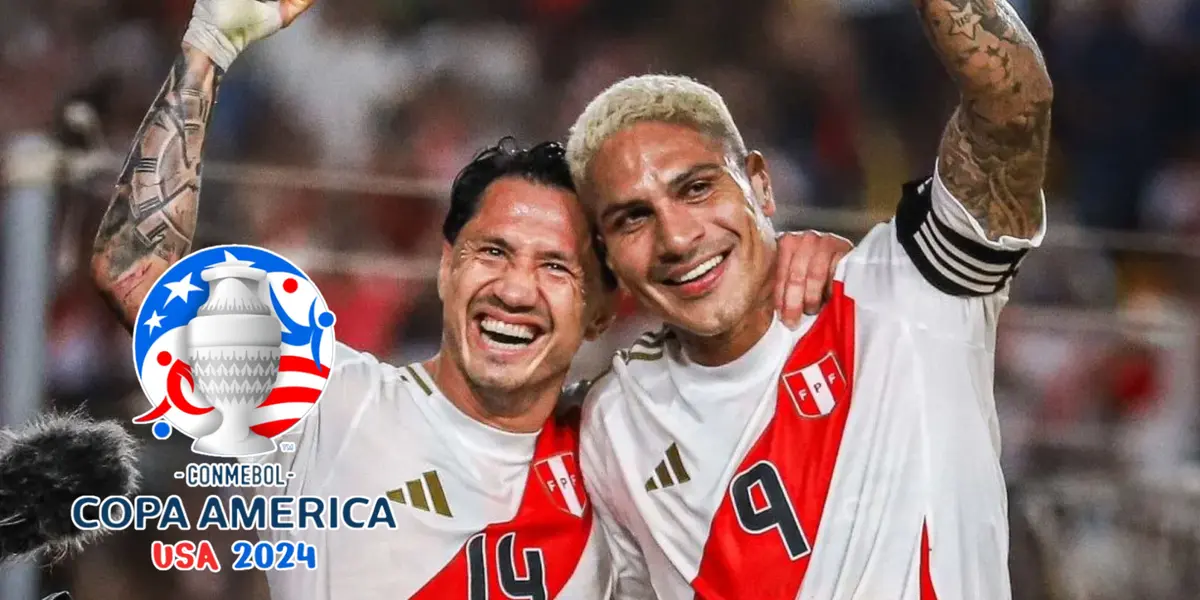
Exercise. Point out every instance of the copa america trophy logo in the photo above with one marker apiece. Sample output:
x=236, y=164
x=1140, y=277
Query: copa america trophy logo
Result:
x=238, y=361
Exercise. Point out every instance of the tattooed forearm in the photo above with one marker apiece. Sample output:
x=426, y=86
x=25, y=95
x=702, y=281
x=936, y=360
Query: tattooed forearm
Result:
x=997, y=171
x=993, y=153
x=151, y=220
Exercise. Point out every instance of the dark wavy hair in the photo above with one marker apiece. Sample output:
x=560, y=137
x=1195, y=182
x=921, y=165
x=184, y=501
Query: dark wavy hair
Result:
x=545, y=163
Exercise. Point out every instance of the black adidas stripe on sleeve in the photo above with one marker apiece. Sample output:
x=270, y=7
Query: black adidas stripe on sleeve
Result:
x=948, y=260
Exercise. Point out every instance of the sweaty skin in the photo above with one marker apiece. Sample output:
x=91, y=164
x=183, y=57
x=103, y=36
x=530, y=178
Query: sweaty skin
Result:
x=523, y=263
x=668, y=200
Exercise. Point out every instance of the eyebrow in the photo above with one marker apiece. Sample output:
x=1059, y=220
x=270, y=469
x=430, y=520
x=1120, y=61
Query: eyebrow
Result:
x=675, y=182
x=542, y=255
x=613, y=209
x=558, y=256
x=498, y=242
x=679, y=179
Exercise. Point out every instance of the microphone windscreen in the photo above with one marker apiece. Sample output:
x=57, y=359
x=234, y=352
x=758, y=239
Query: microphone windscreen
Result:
x=45, y=466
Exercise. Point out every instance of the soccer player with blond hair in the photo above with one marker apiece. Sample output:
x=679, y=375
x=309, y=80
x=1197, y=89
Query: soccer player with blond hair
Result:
x=857, y=456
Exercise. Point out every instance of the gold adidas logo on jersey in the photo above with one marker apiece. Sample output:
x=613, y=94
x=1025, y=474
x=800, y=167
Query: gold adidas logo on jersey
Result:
x=423, y=494
x=669, y=472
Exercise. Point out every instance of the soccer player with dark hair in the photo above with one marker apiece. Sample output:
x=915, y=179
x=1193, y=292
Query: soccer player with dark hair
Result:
x=469, y=445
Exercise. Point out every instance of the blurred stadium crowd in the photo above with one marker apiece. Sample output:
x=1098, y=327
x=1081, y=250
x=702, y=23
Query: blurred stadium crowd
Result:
x=1097, y=361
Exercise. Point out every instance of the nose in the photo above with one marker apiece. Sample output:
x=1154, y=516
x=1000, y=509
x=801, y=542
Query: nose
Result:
x=678, y=233
x=517, y=287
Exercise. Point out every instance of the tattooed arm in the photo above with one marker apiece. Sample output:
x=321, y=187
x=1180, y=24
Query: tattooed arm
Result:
x=151, y=220
x=993, y=152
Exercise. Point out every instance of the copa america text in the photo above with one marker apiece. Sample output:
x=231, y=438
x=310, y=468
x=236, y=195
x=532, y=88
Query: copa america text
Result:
x=249, y=513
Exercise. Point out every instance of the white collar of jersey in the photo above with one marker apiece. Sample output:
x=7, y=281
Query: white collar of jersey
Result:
x=506, y=446
x=756, y=364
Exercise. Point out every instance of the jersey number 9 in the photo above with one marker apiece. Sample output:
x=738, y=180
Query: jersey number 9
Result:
x=771, y=510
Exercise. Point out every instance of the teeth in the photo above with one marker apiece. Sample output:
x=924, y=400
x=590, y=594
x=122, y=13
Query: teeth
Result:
x=701, y=269
x=503, y=346
x=491, y=325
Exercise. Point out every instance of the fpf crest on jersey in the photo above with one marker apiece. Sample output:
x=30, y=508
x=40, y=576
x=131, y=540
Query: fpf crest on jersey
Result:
x=233, y=345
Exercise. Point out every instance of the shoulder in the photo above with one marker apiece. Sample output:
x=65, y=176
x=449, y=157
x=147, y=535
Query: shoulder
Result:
x=348, y=361
x=357, y=373
x=599, y=399
x=595, y=399
x=353, y=369
x=636, y=366
x=595, y=396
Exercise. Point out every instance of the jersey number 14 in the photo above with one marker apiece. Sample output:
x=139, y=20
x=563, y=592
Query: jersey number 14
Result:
x=530, y=587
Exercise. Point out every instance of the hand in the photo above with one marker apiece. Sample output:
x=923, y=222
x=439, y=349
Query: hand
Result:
x=222, y=29
x=807, y=260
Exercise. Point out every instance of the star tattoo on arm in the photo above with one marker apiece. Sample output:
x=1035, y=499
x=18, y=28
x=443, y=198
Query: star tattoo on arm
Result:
x=993, y=151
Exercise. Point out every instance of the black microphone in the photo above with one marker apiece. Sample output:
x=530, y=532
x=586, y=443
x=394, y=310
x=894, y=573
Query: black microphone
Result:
x=44, y=467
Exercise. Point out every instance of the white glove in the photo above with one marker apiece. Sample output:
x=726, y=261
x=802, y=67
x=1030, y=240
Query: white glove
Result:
x=222, y=29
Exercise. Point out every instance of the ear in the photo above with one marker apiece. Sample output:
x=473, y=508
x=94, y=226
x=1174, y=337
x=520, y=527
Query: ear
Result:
x=760, y=182
x=444, y=269
x=603, y=314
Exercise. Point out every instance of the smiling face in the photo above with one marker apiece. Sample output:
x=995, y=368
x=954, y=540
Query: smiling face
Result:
x=685, y=224
x=515, y=287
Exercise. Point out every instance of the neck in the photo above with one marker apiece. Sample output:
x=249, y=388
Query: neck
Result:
x=535, y=404
x=727, y=347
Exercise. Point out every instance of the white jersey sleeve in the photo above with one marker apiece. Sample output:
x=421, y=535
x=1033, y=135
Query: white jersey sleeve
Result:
x=322, y=434
x=934, y=265
x=631, y=577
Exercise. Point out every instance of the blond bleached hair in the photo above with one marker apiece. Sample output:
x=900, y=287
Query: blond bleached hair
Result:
x=664, y=98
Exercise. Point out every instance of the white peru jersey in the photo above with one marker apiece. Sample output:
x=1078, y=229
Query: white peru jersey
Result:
x=481, y=513
x=854, y=458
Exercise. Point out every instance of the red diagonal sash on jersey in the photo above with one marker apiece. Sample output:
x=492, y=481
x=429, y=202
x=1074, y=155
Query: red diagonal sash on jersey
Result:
x=546, y=532
x=754, y=548
x=927, y=590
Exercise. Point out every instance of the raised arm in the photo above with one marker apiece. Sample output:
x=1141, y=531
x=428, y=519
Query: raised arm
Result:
x=993, y=152
x=151, y=220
